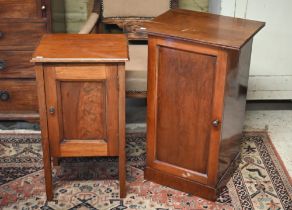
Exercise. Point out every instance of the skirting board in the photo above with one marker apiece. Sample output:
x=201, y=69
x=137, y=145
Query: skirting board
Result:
x=271, y=87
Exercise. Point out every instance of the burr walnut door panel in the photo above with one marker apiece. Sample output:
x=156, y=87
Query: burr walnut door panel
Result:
x=82, y=110
x=184, y=119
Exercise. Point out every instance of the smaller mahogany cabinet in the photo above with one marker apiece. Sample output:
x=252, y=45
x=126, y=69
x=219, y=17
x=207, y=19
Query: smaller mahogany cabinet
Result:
x=81, y=93
x=198, y=69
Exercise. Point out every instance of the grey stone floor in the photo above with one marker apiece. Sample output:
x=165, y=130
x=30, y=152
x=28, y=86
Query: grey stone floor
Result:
x=278, y=124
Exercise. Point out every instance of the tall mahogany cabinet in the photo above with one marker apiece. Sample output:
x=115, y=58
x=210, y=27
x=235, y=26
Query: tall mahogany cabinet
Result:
x=198, y=69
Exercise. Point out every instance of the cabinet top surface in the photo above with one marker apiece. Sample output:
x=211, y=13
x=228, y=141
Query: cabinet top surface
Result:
x=206, y=28
x=81, y=48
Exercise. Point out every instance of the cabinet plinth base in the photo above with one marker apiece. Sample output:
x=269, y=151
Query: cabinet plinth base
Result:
x=180, y=183
x=189, y=186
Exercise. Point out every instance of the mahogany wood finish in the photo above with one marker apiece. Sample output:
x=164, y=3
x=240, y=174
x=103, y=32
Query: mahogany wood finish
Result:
x=234, y=32
x=87, y=95
x=176, y=68
x=22, y=36
x=28, y=116
x=13, y=64
x=22, y=23
x=197, y=82
x=122, y=128
x=44, y=130
x=81, y=86
x=18, y=9
x=18, y=95
x=112, y=50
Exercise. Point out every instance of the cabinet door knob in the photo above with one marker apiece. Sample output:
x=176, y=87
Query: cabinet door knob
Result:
x=43, y=7
x=52, y=110
x=4, y=95
x=2, y=65
x=216, y=123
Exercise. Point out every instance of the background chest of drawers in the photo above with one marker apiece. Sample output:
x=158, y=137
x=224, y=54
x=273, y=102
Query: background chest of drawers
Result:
x=22, y=23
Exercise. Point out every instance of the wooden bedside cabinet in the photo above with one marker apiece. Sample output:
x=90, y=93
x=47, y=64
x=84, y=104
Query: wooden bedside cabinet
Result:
x=198, y=68
x=81, y=92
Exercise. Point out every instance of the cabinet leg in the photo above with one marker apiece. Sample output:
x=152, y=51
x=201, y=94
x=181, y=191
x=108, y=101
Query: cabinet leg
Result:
x=49, y=185
x=48, y=171
x=122, y=176
x=122, y=131
x=44, y=134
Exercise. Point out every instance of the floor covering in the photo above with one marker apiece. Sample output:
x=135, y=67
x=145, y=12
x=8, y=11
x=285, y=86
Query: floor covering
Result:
x=260, y=182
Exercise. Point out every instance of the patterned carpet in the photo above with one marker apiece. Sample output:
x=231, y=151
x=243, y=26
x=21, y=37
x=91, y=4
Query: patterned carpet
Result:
x=260, y=181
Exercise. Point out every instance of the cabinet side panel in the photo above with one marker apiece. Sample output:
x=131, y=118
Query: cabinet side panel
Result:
x=185, y=92
x=234, y=105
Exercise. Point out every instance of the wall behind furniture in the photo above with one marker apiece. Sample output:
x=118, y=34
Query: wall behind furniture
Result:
x=76, y=14
x=196, y=5
x=271, y=70
x=58, y=16
x=77, y=11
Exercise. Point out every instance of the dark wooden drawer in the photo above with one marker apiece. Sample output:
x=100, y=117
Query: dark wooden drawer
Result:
x=21, y=35
x=18, y=95
x=18, y=9
x=16, y=64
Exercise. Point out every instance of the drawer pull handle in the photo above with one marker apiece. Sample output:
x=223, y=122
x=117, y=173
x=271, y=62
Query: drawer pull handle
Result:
x=4, y=95
x=52, y=110
x=216, y=123
x=2, y=65
x=1, y=34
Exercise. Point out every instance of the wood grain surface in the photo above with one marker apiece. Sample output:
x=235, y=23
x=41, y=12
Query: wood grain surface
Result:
x=16, y=9
x=206, y=28
x=23, y=35
x=16, y=64
x=40, y=78
x=83, y=105
x=22, y=96
x=22, y=23
x=196, y=98
x=186, y=114
x=103, y=48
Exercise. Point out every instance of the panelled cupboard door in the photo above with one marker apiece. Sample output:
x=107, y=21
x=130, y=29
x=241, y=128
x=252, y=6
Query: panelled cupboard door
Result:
x=82, y=109
x=184, y=121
